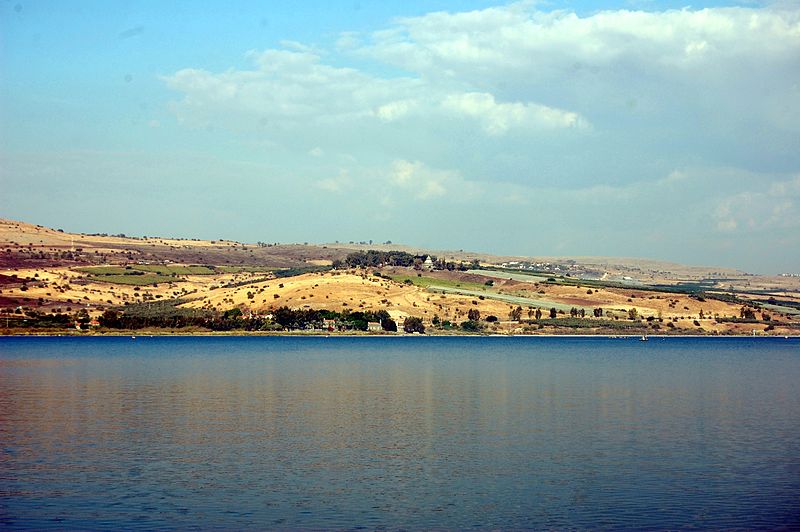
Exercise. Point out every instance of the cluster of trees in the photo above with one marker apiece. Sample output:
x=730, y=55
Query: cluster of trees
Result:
x=573, y=312
x=284, y=318
x=746, y=313
x=313, y=319
x=373, y=258
x=441, y=264
x=33, y=318
x=113, y=319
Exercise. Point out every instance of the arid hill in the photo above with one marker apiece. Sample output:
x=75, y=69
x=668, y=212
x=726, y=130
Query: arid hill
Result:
x=46, y=273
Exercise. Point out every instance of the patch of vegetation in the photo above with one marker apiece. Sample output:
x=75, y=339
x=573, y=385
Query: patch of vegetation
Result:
x=413, y=324
x=724, y=297
x=373, y=258
x=160, y=308
x=693, y=287
x=245, y=282
x=34, y=319
x=105, y=270
x=140, y=279
x=471, y=326
x=581, y=323
x=243, y=269
x=741, y=320
x=176, y=269
x=292, y=272
x=426, y=282
x=780, y=302
x=143, y=274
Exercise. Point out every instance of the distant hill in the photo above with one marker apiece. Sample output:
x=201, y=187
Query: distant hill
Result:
x=49, y=277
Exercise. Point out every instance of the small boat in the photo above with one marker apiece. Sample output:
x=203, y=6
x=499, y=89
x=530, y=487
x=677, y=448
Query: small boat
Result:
x=643, y=338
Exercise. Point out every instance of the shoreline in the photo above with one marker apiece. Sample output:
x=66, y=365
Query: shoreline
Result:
x=239, y=334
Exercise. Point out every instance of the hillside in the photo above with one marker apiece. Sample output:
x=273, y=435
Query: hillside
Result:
x=49, y=277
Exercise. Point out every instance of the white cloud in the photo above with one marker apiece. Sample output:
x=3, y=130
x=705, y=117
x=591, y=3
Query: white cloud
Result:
x=392, y=111
x=611, y=124
x=773, y=208
x=498, y=118
x=341, y=182
x=716, y=64
x=291, y=94
x=286, y=88
x=424, y=183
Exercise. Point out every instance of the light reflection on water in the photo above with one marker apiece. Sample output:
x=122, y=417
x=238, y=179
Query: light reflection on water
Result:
x=419, y=433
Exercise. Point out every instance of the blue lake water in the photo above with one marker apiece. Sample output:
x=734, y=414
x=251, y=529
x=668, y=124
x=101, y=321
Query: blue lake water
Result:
x=254, y=433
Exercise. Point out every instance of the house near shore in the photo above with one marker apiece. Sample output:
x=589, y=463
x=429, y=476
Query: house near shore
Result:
x=329, y=325
x=374, y=326
x=428, y=264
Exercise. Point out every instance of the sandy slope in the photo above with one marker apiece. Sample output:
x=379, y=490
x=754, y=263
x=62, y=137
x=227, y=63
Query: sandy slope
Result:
x=354, y=291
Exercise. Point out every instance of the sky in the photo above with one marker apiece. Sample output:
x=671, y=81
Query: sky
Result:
x=629, y=128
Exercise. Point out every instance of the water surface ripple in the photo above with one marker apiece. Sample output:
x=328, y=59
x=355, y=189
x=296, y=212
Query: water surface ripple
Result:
x=254, y=433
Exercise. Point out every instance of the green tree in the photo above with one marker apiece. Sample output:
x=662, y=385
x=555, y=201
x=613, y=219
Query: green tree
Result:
x=515, y=314
x=633, y=314
x=232, y=313
x=471, y=326
x=110, y=318
x=474, y=314
x=553, y=313
x=413, y=324
x=747, y=313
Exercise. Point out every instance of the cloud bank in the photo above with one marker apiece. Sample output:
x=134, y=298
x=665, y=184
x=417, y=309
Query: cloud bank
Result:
x=667, y=134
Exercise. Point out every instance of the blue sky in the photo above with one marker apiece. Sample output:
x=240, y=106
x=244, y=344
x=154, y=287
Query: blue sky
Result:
x=631, y=128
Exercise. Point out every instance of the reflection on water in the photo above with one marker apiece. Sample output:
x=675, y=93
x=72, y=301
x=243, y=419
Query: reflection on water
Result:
x=419, y=433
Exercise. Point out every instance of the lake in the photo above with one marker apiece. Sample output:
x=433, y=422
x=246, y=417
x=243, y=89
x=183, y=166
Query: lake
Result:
x=419, y=432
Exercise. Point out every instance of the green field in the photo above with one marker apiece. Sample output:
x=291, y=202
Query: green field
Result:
x=427, y=282
x=176, y=269
x=695, y=287
x=135, y=280
x=148, y=268
x=515, y=275
x=104, y=270
x=243, y=269
x=143, y=274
